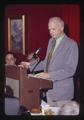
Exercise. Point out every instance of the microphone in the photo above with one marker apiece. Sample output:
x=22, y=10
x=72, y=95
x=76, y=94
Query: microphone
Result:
x=35, y=55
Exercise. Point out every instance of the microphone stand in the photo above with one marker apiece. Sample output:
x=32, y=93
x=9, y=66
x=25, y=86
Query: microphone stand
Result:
x=35, y=67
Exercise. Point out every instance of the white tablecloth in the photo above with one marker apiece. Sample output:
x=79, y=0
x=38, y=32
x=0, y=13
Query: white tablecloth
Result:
x=45, y=106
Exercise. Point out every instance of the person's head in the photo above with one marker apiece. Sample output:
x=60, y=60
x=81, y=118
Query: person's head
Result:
x=56, y=27
x=10, y=59
x=70, y=108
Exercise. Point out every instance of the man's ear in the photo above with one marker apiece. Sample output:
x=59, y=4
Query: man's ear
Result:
x=62, y=28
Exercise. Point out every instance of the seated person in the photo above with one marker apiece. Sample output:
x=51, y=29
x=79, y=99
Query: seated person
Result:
x=10, y=59
x=70, y=108
x=11, y=103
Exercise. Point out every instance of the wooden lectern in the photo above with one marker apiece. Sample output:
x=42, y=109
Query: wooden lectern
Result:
x=29, y=88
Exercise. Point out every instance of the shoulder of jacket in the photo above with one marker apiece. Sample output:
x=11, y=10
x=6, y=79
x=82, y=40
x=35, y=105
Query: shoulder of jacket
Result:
x=71, y=41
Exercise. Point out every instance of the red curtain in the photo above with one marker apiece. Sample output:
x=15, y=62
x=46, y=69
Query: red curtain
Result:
x=37, y=16
x=71, y=16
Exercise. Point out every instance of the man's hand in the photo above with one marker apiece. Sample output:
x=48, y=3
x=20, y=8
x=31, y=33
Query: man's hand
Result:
x=44, y=75
x=24, y=64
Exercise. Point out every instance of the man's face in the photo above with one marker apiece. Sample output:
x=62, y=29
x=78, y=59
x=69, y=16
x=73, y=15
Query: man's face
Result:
x=55, y=29
x=10, y=60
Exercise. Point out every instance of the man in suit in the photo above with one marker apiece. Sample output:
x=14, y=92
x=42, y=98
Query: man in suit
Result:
x=61, y=66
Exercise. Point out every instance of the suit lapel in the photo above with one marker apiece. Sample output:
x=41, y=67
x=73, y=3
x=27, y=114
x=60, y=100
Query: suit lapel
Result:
x=59, y=49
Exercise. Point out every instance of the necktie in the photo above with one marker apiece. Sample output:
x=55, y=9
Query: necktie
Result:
x=50, y=54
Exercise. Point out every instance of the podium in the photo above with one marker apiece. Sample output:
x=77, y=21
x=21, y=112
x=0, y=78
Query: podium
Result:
x=29, y=88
